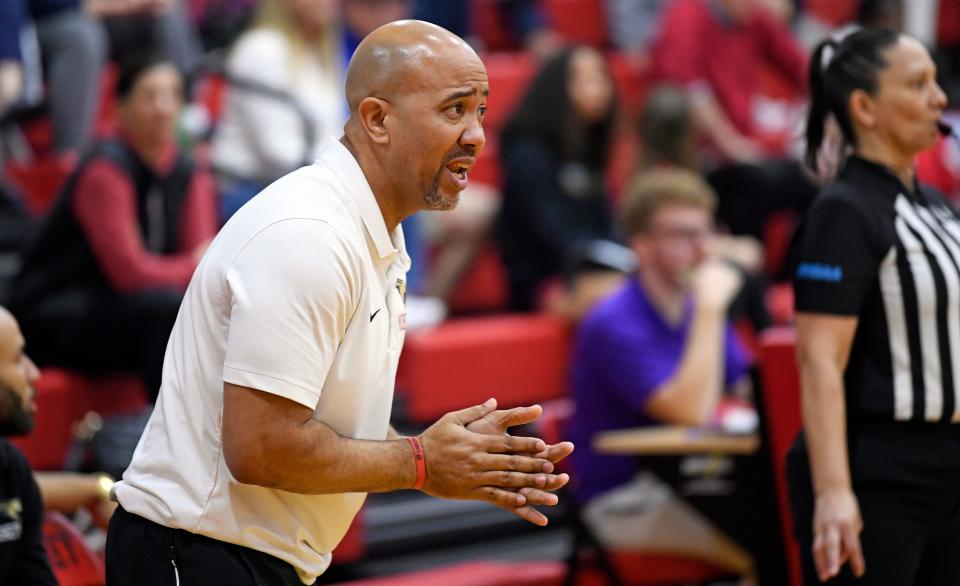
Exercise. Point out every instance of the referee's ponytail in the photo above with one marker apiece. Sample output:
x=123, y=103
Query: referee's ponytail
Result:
x=837, y=69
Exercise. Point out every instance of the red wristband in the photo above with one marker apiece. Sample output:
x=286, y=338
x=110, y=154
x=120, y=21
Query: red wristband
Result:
x=420, y=462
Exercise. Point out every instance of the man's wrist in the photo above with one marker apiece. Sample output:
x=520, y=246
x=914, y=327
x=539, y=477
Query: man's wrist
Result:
x=711, y=308
x=419, y=461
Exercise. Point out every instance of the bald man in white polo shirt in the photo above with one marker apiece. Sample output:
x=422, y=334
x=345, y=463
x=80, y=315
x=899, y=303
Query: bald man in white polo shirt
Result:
x=272, y=421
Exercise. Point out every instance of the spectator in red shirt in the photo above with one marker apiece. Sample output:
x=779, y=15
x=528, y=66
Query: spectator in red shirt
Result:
x=717, y=49
x=101, y=286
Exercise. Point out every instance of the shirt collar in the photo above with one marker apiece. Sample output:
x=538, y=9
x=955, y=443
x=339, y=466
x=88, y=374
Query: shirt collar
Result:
x=644, y=302
x=882, y=174
x=343, y=163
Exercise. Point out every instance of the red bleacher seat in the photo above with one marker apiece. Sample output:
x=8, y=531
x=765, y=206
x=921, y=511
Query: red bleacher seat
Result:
x=518, y=359
x=487, y=168
x=483, y=288
x=63, y=398
x=653, y=569
x=72, y=561
x=38, y=130
x=211, y=92
x=509, y=75
x=629, y=74
x=353, y=546
x=40, y=181
x=832, y=12
x=781, y=401
x=489, y=27
x=106, y=122
x=578, y=21
x=777, y=234
x=780, y=303
x=476, y=574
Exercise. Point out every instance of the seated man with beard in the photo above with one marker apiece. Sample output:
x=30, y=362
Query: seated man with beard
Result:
x=23, y=560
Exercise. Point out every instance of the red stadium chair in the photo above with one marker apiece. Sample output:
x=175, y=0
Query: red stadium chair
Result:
x=484, y=287
x=781, y=401
x=38, y=129
x=639, y=569
x=939, y=166
x=579, y=21
x=39, y=181
x=780, y=303
x=630, y=76
x=106, y=122
x=487, y=169
x=489, y=27
x=509, y=75
x=353, y=546
x=777, y=233
x=73, y=562
x=948, y=23
x=832, y=12
x=519, y=359
x=476, y=574
x=64, y=398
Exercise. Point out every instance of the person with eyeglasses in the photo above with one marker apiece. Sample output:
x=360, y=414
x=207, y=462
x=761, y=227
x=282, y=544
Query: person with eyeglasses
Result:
x=660, y=350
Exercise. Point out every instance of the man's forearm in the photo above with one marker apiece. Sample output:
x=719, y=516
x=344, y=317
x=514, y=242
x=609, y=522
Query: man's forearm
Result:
x=314, y=459
x=699, y=377
x=66, y=492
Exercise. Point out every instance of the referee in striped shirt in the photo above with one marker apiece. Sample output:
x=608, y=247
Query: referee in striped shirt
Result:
x=876, y=483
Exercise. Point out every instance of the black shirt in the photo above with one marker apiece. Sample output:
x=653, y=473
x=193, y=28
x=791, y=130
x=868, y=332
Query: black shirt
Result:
x=889, y=255
x=549, y=206
x=61, y=276
x=23, y=560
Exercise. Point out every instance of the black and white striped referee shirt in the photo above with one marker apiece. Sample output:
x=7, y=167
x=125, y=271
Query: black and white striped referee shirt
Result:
x=889, y=255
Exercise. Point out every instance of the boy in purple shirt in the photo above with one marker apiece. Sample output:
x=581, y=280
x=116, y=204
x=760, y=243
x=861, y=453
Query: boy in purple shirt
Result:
x=659, y=351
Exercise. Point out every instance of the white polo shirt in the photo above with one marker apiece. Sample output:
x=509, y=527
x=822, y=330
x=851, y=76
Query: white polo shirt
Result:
x=300, y=295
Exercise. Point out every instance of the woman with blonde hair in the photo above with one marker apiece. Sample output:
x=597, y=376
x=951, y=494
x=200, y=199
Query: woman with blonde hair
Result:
x=294, y=52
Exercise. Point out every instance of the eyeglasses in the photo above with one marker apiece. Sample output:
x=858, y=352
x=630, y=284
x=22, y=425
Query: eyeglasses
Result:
x=684, y=233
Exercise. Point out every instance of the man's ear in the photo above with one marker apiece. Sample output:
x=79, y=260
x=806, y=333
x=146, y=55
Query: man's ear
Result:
x=373, y=113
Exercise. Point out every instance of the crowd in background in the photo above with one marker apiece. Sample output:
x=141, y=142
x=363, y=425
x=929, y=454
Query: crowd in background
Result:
x=285, y=60
x=604, y=207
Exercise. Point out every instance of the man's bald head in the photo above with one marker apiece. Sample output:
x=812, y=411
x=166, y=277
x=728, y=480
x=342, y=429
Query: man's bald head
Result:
x=8, y=326
x=400, y=57
x=417, y=96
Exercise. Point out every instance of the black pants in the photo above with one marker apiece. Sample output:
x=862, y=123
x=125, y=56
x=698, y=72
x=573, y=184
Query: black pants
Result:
x=749, y=193
x=119, y=333
x=907, y=481
x=143, y=553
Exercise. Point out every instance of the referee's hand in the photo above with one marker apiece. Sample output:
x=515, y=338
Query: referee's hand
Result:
x=836, y=533
x=462, y=464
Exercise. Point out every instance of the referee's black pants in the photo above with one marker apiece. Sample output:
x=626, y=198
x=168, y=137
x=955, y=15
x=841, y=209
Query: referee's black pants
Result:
x=906, y=477
x=142, y=553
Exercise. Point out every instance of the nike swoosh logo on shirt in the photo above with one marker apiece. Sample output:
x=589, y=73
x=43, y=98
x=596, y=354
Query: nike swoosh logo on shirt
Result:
x=374, y=314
